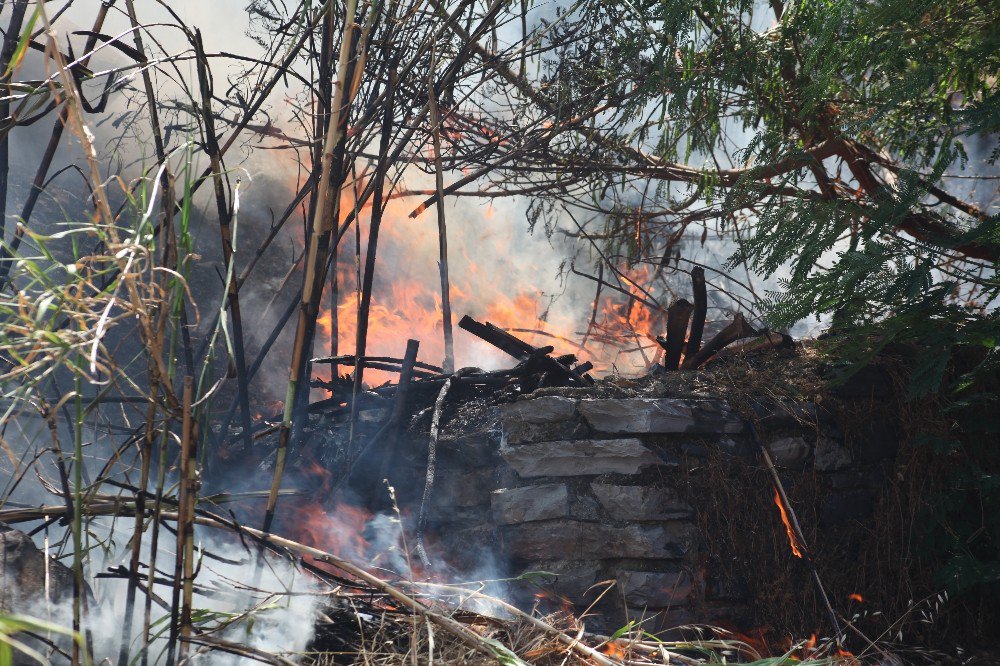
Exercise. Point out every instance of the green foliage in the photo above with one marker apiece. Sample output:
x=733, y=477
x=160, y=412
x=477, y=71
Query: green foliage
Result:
x=12, y=625
x=879, y=237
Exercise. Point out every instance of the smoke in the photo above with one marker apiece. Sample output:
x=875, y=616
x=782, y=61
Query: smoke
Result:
x=277, y=615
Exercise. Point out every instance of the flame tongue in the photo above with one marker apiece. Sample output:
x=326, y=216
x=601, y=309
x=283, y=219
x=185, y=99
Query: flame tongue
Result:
x=792, y=540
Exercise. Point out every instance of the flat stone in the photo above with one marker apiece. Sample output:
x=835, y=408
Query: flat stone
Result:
x=640, y=502
x=774, y=414
x=656, y=589
x=579, y=457
x=521, y=432
x=573, y=539
x=545, y=409
x=659, y=416
x=573, y=578
x=830, y=455
x=789, y=451
x=22, y=574
x=523, y=505
x=459, y=517
x=470, y=550
x=583, y=507
x=541, y=419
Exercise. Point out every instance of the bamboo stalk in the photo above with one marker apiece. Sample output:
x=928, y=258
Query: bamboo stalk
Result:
x=325, y=216
x=805, y=554
x=189, y=487
x=181, y=613
x=225, y=236
x=77, y=523
x=431, y=472
x=449, y=344
x=10, y=41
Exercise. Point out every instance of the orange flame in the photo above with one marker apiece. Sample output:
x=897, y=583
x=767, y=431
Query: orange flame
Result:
x=792, y=541
x=498, y=286
x=614, y=650
x=406, y=302
x=854, y=596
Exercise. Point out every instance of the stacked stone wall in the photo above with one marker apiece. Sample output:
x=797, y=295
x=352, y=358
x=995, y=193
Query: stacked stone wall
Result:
x=593, y=489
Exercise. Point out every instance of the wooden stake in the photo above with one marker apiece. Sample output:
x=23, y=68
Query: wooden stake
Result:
x=700, y=310
x=677, y=322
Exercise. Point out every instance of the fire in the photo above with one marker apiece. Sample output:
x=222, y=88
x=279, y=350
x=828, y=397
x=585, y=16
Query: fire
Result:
x=339, y=531
x=792, y=540
x=847, y=657
x=406, y=301
x=614, y=650
x=494, y=276
x=854, y=596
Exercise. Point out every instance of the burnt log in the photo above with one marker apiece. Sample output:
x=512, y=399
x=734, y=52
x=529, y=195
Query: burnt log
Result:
x=678, y=315
x=535, y=359
x=737, y=330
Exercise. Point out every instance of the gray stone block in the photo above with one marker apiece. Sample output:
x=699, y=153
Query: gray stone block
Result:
x=541, y=419
x=520, y=432
x=523, y=505
x=580, y=457
x=545, y=409
x=573, y=578
x=572, y=539
x=583, y=507
x=659, y=416
x=640, y=502
x=830, y=455
x=23, y=570
x=789, y=451
x=656, y=589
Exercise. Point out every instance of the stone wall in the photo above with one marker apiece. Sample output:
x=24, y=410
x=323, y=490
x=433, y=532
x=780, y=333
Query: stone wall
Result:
x=594, y=488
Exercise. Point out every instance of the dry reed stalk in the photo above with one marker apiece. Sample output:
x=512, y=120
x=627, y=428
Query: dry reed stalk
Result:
x=10, y=42
x=180, y=621
x=156, y=346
